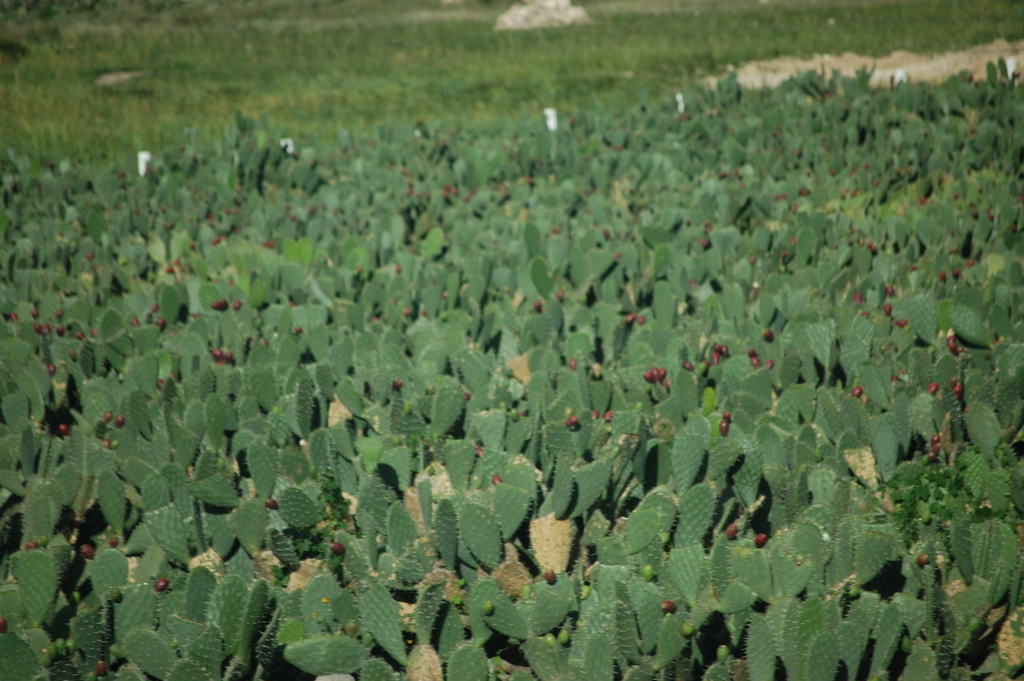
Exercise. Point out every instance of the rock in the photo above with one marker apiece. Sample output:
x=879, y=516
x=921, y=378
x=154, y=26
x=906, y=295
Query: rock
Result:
x=307, y=570
x=541, y=14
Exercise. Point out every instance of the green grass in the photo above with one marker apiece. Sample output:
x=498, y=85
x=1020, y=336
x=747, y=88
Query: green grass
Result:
x=359, y=63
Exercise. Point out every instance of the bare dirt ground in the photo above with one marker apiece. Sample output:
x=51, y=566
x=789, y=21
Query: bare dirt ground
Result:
x=918, y=68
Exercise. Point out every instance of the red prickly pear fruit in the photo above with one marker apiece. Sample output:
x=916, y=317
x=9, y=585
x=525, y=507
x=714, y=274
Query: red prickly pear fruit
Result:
x=760, y=540
x=64, y=430
x=3, y=625
x=922, y=559
x=572, y=364
x=550, y=577
x=397, y=384
x=769, y=335
x=161, y=584
x=337, y=547
x=688, y=365
x=887, y=309
x=101, y=668
x=608, y=416
x=668, y=607
x=88, y=551
x=857, y=391
x=572, y=421
x=538, y=306
x=958, y=391
x=495, y=479
x=119, y=421
x=112, y=542
x=723, y=428
x=731, y=531
x=933, y=388
x=272, y=504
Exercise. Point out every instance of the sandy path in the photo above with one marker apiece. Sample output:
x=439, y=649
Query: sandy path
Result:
x=918, y=68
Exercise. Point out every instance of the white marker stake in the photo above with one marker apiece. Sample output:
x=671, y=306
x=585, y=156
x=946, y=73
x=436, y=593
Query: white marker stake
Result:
x=679, y=102
x=552, y=118
x=1011, y=68
x=144, y=158
x=288, y=144
x=900, y=77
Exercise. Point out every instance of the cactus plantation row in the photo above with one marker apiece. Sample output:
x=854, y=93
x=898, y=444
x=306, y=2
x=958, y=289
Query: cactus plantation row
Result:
x=735, y=394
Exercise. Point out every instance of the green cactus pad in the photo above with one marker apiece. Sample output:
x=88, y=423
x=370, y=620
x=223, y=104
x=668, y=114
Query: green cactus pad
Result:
x=249, y=521
x=467, y=663
x=641, y=530
x=151, y=653
x=322, y=655
x=696, y=509
x=379, y=614
x=37, y=580
x=297, y=509
x=671, y=640
x=481, y=532
x=168, y=528
x=108, y=569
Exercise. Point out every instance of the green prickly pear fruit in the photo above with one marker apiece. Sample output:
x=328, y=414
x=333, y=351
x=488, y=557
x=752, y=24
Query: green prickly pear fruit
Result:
x=527, y=591
x=407, y=408
x=647, y=572
x=973, y=624
x=91, y=676
x=723, y=653
x=488, y=607
x=688, y=629
x=116, y=652
x=514, y=415
x=70, y=646
x=59, y=647
x=47, y=660
x=114, y=594
x=665, y=538
x=222, y=465
x=352, y=628
x=457, y=601
x=550, y=640
x=563, y=637
x=585, y=592
x=173, y=643
x=905, y=645
x=854, y=591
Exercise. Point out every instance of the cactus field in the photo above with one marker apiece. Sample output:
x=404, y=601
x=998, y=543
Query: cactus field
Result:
x=729, y=390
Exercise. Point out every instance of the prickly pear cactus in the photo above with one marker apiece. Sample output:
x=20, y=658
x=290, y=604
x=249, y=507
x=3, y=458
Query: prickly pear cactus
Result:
x=735, y=393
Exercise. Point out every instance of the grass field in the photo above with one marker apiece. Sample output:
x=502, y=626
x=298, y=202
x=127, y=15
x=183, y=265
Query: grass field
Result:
x=324, y=66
